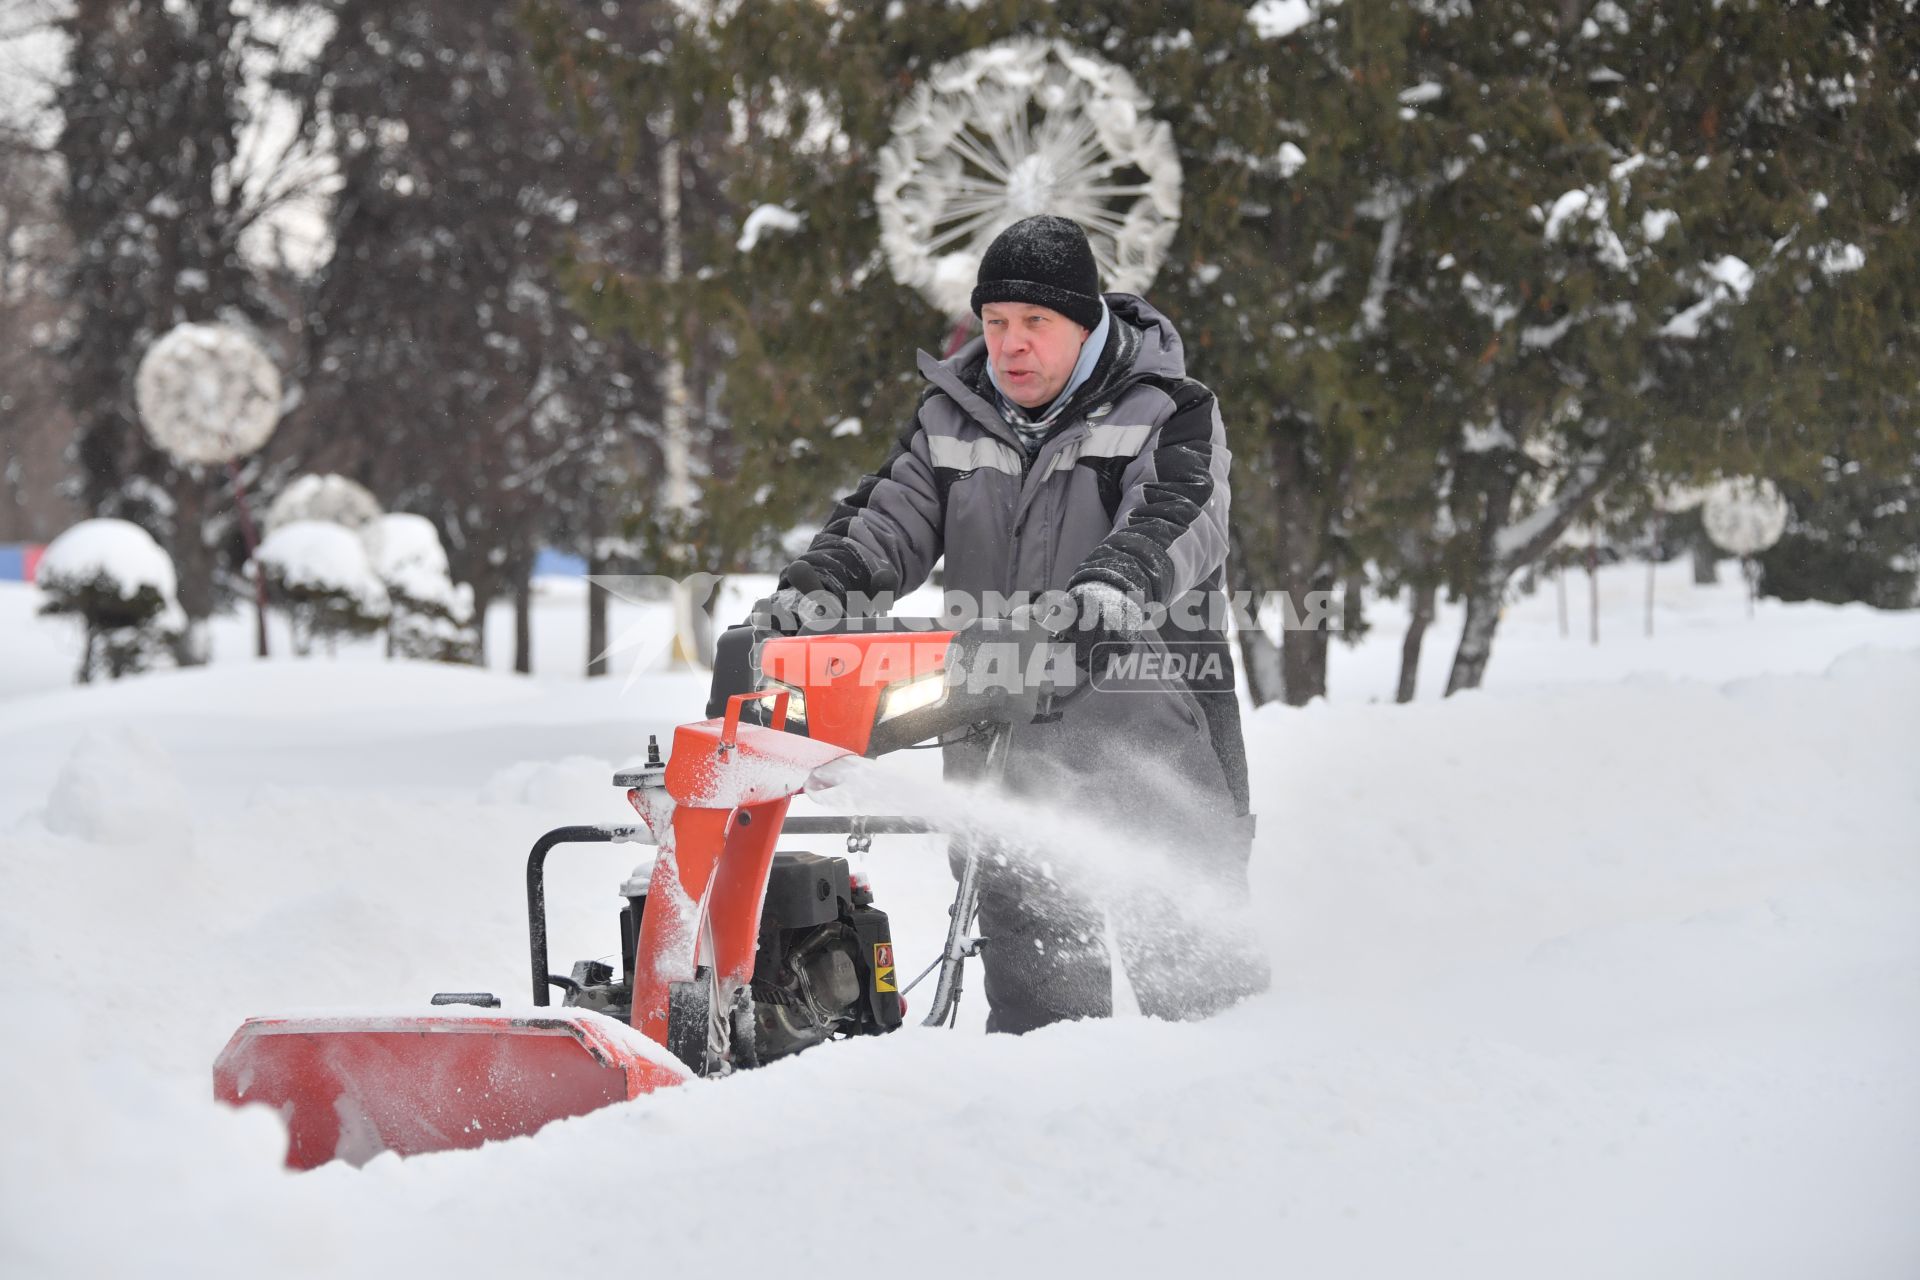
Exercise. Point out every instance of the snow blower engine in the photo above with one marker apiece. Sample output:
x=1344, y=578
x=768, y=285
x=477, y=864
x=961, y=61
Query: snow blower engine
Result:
x=823, y=965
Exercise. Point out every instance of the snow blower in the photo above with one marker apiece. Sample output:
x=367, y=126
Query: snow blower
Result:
x=733, y=953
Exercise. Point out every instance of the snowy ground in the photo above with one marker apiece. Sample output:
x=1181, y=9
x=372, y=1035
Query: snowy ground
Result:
x=1611, y=969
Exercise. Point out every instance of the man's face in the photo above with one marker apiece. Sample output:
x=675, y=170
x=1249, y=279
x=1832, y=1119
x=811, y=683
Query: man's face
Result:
x=1033, y=350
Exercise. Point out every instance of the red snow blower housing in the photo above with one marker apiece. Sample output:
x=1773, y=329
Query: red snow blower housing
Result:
x=732, y=953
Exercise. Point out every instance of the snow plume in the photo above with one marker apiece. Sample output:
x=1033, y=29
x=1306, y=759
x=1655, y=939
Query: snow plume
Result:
x=1145, y=881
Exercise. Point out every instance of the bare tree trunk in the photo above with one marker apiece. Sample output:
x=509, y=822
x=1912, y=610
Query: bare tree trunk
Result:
x=523, y=622
x=1259, y=655
x=596, y=613
x=1306, y=498
x=1423, y=609
x=1476, y=636
x=1593, y=595
x=1489, y=588
x=1303, y=656
x=676, y=443
x=1653, y=561
x=482, y=599
x=1260, y=664
x=1353, y=612
x=193, y=567
x=1706, y=565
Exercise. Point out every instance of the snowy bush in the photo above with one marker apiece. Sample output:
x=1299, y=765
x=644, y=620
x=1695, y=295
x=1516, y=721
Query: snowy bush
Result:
x=430, y=616
x=332, y=498
x=319, y=573
x=116, y=579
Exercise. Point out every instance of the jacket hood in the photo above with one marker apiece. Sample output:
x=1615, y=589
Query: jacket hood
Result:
x=1161, y=351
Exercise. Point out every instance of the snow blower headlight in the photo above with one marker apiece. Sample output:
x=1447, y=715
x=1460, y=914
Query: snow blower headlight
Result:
x=796, y=701
x=913, y=695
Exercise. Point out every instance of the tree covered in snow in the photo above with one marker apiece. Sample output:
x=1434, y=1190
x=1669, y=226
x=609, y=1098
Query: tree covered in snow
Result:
x=34, y=424
x=115, y=578
x=1854, y=534
x=1455, y=270
x=319, y=573
x=450, y=373
x=160, y=193
x=655, y=222
x=1538, y=253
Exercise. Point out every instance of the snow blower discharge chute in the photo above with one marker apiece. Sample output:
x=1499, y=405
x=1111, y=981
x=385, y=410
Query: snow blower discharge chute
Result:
x=733, y=953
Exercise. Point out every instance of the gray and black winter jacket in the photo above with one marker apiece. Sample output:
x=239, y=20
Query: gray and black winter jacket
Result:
x=1130, y=488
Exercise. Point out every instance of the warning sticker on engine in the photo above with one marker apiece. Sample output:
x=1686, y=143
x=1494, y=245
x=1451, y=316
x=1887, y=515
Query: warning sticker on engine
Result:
x=883, y=967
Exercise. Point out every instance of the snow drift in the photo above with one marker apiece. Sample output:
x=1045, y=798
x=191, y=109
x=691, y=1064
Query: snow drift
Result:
x=1576, y=980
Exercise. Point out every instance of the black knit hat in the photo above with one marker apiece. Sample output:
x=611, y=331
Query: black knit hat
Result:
x=1047, y=261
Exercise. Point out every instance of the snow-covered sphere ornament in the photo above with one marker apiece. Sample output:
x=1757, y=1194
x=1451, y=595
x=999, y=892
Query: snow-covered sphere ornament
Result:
x=1018, y=128
x=208, y=393
x=1744, y=516
x=335, y=499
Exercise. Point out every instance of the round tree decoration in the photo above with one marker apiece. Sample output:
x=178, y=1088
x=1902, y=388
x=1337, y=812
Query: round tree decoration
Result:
x=209, y=394
x=1744, y=516
x=1022, y=127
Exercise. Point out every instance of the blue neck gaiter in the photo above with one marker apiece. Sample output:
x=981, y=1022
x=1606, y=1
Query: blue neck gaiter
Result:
x=1025, y=420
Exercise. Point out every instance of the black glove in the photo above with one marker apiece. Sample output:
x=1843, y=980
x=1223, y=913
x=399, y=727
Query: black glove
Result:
x=799, y=602
x=1100, y=621
x=786, y=612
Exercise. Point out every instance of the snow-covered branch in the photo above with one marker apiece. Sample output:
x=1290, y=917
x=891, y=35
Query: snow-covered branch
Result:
x=1529, y=537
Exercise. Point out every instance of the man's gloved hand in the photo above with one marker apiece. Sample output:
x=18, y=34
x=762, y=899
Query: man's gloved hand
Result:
x=795, y=606
x=786, y=611
x=1101, y=615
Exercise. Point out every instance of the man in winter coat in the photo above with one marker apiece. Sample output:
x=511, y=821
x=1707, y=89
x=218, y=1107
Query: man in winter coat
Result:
x=1067, y=450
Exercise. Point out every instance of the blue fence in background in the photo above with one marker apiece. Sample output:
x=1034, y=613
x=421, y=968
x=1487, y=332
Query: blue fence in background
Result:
x=558, y=564
x=18, y=560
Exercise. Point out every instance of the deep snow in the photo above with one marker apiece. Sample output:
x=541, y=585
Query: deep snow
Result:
x=1610, y=969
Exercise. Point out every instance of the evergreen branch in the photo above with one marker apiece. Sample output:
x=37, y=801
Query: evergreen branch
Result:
x=1528, y=538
